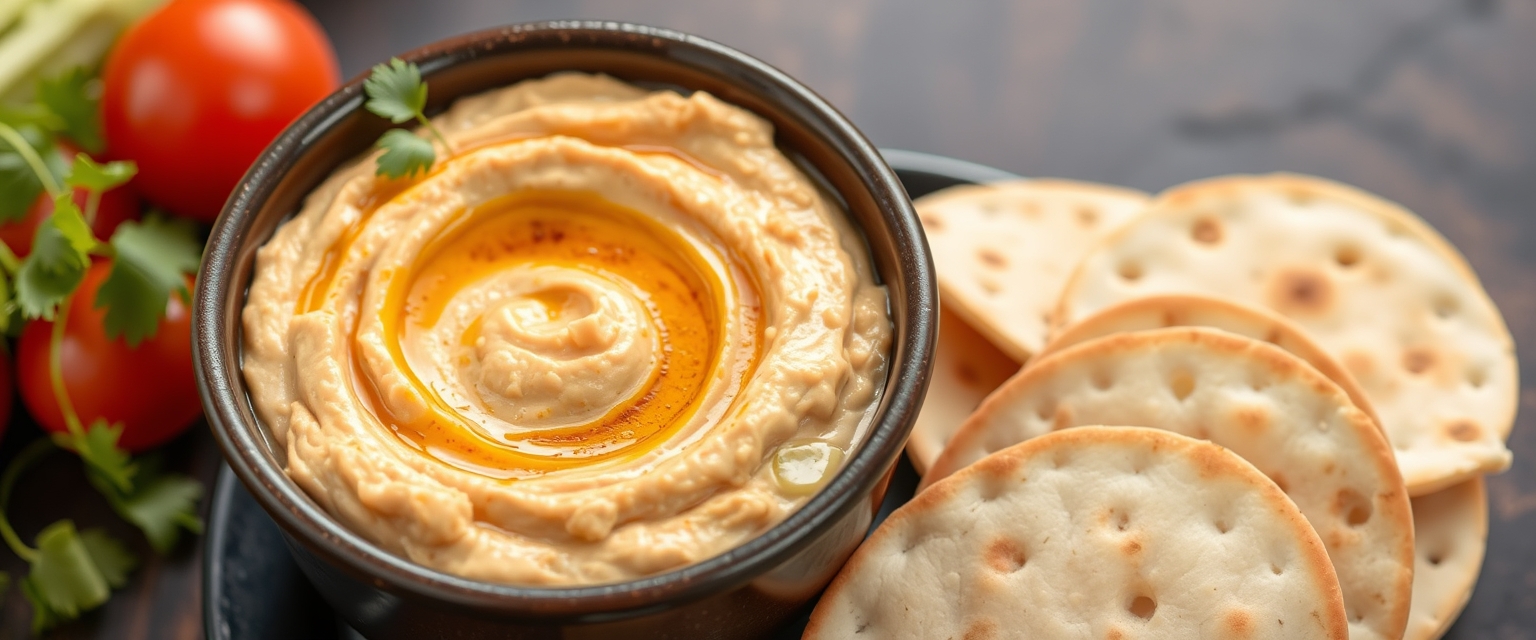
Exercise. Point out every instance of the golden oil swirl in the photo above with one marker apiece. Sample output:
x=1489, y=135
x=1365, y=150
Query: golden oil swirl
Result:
x=544, y=331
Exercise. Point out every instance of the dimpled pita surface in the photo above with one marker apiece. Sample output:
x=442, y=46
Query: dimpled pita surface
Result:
x=1251, y=397
x=966, y=367
x=1091, y=533
x=1451, y=529
x=1184, y=310
x=1004, y=250
x=1369, y=281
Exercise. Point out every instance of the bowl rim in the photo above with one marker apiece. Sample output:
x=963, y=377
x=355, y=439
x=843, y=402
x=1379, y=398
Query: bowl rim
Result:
x=221, y=384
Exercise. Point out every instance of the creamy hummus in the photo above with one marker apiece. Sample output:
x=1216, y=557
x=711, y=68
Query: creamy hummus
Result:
x=611, y=333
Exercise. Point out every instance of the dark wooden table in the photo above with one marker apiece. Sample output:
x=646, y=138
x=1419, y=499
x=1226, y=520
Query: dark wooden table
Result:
x=1428, y=102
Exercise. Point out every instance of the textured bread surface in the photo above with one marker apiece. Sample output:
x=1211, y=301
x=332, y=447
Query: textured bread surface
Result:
x=1091, y=533
x=1251, y=397
x=1372, y=283
x=1004, y=250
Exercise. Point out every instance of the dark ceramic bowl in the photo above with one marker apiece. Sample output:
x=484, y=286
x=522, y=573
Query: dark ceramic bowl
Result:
x=744, y=592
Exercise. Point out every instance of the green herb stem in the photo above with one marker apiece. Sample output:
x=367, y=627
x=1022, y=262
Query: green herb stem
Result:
x=24, y=460
x=422, y=118
x=92, y=203
x=8, y=259
x=56, y=371
x=13, y=138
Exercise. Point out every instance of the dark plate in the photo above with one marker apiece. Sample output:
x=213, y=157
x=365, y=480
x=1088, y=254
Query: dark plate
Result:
x=252, y=590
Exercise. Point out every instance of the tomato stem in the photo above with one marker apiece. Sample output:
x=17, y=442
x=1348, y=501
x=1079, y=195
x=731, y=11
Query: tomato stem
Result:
x=13, y=138
x=435, y=133
x=28, y=457
x=56, y=370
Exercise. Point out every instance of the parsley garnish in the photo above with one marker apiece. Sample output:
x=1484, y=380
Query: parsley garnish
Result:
x=396, y=91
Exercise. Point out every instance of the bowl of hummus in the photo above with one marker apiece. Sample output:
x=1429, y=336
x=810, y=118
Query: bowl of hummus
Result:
x=636, y=354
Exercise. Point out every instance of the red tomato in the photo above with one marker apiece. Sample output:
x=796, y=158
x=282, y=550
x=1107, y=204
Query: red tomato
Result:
x=150, y=389
x=117, y=206
x=196, y=90
x=6, y=392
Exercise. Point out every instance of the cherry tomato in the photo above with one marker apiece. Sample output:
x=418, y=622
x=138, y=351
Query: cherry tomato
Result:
x=6, y=382
x=196, y=90
x=116, y=207
x=150, y=389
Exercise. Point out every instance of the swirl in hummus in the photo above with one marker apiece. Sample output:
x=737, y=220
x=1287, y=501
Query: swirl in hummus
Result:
x=615, y=333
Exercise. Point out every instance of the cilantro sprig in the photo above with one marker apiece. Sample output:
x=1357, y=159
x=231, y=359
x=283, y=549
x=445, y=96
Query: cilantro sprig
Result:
x=395, y=91
x=70, y=570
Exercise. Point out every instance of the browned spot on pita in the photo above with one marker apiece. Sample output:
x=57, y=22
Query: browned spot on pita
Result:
x=1417, y=360
x=1062, y=419
x=1359, y=363
x=1129, y=271
x=1253, y=418
x=1354, y=508
x=1301, y=196
x=1182, y=384
x=966, y=374
x=1115, y=634
x=1273, y=337
x=1087, y=216
x=1347, y=256
x=989, y=285
x=981, y=630
x=931, y=223
x=1237, y=624
x=1206, y=231
x=1004, y=555
x=992, y=258
x=1169, y=319
x=1142, y=607
x=1464, y=431
x=1130, y=547
x=1300, y=291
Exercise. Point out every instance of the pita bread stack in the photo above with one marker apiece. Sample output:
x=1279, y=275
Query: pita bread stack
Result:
x=1091, y=533
x=1253, y=398
x=1369, y=281
x=990, y=239
x=1325, y=338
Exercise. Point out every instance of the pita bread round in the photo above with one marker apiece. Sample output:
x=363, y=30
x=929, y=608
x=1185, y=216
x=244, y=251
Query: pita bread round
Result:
x=1251, y=397
x=966, y=367
x=1451, y=536
x=1185, y=310
x=1369, y=281
x=1004, y=250
x=1117, y=532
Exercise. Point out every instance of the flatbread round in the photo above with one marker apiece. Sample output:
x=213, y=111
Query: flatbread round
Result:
x=1116, y=532
x=1451, y=536
x=1004, y=250
x=1369, y=281
x=1187, y=310
x=966, y=367
x=1251, y=397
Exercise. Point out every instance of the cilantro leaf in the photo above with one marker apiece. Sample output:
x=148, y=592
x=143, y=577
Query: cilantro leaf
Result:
x=43, y=616
x=71, y=97
x=72, y=225
x=162, y=505
x=395, y=91
x=87, y=173
x=111, y=558
x=19, y=184
x=60, y=254
x=404, y=154
x=152, y=260
x=64, y=576
x=108, y=465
